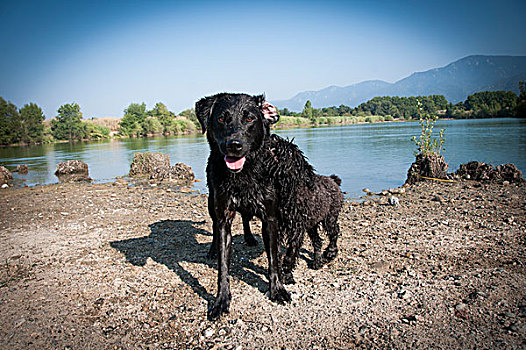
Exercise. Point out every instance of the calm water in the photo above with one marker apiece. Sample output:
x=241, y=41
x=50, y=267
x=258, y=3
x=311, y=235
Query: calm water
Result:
x=376, y=156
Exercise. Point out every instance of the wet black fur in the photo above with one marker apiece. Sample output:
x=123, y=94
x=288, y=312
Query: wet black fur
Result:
x=276, y=184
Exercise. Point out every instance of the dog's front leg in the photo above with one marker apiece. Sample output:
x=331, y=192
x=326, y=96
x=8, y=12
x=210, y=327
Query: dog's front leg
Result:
x=211, y=210
x=277, y=291
x=224, y=236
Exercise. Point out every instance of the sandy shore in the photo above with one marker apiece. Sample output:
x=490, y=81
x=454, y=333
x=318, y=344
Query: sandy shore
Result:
x=110, y=266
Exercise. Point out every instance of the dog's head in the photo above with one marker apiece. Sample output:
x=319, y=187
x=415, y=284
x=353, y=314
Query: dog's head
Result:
x=236, y=123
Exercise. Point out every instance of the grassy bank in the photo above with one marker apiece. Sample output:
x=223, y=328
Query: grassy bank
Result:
x=291, y=121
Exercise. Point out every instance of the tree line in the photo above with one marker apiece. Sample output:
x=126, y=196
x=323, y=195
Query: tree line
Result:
x=137, y=121
x=478, y=105
x=28, y=124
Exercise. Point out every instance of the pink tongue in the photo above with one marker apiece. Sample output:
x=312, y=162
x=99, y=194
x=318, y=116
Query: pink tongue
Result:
x=234, y=163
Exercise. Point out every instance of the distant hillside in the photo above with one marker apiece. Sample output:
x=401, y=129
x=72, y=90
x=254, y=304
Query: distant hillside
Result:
x=455, y=81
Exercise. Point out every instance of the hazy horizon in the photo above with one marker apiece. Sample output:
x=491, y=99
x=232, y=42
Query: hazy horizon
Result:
x=106, y=55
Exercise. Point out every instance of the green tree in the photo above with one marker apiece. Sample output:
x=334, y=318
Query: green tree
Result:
x=307, y=111
x=492, y=103
x=132, y=122
x=163, y=115
x=95, y=131
x=68, y=123
x=284, y=111
x=10, y=123
x=152, y=125
x=190, y=115
x=32, y=123
x=520, y=109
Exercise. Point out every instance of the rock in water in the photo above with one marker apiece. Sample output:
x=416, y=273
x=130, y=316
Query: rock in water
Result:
x=72, y=171
x=486, y=173
x=5, y=175
x=22, y=169
x=147, y=163
x=156, y=166
x=432, y=165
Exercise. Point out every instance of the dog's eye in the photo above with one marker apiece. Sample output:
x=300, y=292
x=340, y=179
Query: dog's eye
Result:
x=221, y=120
x=250, y=119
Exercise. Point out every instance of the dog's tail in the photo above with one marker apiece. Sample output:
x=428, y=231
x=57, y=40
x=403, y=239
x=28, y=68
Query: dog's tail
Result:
x=336, y=179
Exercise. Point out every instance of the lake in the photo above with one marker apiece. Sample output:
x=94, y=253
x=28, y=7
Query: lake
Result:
x=376, y=156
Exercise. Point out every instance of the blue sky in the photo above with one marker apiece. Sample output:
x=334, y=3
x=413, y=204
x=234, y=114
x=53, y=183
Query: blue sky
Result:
x=105, y=55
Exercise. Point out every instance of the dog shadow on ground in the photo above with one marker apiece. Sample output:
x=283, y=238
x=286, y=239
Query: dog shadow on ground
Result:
x=173, y=242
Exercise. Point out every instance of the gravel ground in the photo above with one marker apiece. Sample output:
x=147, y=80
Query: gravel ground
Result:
x=97, y=266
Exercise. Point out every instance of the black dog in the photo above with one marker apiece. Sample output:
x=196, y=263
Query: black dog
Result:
x=255, y=173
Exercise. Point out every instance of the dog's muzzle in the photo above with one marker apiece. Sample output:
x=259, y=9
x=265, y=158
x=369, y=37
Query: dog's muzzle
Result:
x=234, y=160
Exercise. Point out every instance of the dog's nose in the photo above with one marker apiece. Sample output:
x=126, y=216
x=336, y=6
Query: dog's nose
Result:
x=234, y=145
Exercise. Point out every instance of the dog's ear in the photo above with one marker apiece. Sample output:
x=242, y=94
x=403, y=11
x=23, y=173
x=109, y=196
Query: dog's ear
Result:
x=270, y=113
x=203, y=110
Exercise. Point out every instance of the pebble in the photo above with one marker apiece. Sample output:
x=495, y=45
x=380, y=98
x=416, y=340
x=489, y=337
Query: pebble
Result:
x=404, y=294
x=209, y=332
x=461, y=310
x=436, y=198
x=400, y=190
x=409, y=319
x=394, y=201
x=362, y=329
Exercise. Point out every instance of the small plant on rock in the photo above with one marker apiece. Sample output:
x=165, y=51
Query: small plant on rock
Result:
x=427, y=144
x=429, y=161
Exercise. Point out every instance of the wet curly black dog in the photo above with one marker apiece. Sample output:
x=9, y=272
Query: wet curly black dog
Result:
x=258, y=174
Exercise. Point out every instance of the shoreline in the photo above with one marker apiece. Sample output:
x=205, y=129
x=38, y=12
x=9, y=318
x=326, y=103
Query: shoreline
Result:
x=112, y=266
x=284, y=127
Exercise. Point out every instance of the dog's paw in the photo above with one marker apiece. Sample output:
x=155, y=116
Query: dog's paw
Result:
x=251, y=241
x=280, y=296
x=221, y=306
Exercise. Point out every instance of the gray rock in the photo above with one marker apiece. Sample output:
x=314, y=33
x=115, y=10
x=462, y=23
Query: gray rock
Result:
x=156, y=166
x=394, y=201
x=146, y=163
x=436, y=198
x=209, y=332
x=5, y=175
x=22, y=169
x=72, y=171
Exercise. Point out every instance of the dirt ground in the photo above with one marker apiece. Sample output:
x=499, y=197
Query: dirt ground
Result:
x=111, y=266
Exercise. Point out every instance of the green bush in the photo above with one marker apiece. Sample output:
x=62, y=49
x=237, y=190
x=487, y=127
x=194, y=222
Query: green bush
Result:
x=321, y=121
x=94, y=131
x=152, y=125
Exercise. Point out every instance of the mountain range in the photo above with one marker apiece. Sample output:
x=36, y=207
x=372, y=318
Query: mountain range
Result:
x=455, y=81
